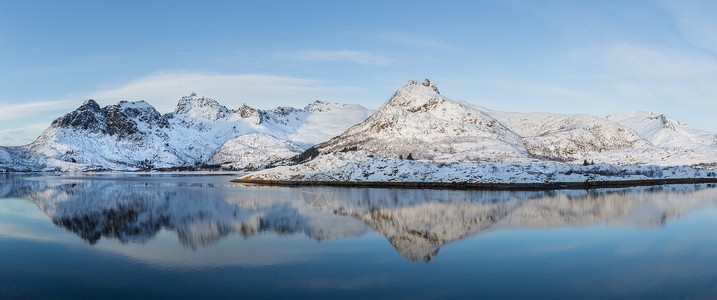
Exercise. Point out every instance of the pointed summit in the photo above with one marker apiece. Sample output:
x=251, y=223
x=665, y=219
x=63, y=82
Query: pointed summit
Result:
x=415, y=96
x=426, y=83
x=90, y=104
x=201, y=108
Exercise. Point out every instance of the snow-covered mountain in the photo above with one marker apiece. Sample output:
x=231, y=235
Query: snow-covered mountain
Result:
x=664, y=132
x=134, y=135
x=417, y=120
x=457, y=142
x=436, y=129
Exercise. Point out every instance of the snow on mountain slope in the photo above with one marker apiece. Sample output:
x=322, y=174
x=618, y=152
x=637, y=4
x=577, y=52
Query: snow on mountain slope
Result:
x=134, y=135
x=253, y=151
x=201, y=108
x=568, y=137
x=664, y=132
x=363, y=166
x=419, y=121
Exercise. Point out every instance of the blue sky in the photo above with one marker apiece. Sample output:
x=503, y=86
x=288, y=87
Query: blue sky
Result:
x=594, y=57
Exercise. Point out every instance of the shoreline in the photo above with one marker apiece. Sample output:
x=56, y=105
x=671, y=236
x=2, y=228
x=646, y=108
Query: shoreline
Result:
x=484, y=186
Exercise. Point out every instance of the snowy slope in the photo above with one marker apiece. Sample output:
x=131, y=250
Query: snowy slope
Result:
x=433, y=128
x=134, y=135
x=419, y=121
x=363, y=166
x=568, y=137
x=664, y=132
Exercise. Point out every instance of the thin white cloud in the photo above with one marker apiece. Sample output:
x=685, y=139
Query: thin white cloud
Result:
x=415, y=40
x=34, y=127
x=359, y=57
x=552, y=90
x=696, y=22
x=671, y=79
x=17, y=111
x=648, y=60
x=21, y=135
x=163, y=90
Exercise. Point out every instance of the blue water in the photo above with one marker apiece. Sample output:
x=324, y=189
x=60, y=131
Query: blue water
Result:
x=175, y=237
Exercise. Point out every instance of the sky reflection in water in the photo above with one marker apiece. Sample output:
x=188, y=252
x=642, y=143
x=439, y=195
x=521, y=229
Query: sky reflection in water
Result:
x=192, y=236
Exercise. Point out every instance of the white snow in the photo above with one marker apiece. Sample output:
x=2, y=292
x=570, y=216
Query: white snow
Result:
x=133, y=135
x=364, y=166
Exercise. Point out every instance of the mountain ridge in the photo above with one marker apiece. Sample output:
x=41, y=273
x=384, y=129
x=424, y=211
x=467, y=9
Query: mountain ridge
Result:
x=134, y=135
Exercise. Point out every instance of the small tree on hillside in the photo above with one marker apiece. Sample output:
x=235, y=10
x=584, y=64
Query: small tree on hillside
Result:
x=410, y=156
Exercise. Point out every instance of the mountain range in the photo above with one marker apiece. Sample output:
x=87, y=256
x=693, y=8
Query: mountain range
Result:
x=417, y=121
x=433, y=128
x=200, y=132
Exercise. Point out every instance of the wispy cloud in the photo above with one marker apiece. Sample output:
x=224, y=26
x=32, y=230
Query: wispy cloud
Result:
x=22, y=135
x=696, y=22
x=679, y=79
x=359, y=57
x=415, y=40
x=552, y=90
x=163, y=90
x=17, y=111
x=652, y=61
x=683, y=75
x=25, y=129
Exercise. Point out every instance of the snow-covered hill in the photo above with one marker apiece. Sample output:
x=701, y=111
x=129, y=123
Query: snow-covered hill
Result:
x=365, y=167
x=134, y=135
x=417, y=121
x=433, y=128
x=457, y=142
x=664, y=132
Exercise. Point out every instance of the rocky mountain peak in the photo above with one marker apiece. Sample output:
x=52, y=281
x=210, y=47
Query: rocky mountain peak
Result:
x=416, y=97
x=246, y=111
x=90, y=105
x=426, y=83
x=201, y=108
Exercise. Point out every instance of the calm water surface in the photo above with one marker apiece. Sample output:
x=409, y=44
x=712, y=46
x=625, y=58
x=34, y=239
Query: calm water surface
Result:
x=172, y=237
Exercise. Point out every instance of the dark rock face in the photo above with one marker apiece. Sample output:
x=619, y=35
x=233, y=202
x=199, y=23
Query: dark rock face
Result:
x=86, y=117
x=117, y=120
x=246, y=111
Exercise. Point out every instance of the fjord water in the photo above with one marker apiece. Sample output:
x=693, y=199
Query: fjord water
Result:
x=169, y=237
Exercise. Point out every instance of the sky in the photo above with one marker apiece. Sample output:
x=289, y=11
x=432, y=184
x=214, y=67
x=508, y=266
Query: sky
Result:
x=591, y=57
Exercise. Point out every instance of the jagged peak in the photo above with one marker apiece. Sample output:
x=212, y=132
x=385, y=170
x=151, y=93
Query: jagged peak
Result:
x=427, y=83
x=246, y=111
x=90, y=104
x=200, y=107
x=415, y=96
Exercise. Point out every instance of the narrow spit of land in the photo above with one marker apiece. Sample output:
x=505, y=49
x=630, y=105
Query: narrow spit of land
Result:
x=484, y=186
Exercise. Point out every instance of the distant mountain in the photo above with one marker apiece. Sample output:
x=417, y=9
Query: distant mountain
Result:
x=456, y=142
x=419, y=121
x=134, y=135
x=664, y=132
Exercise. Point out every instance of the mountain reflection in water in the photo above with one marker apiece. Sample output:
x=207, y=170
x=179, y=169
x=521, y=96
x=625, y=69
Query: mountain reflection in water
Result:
x=417, y=223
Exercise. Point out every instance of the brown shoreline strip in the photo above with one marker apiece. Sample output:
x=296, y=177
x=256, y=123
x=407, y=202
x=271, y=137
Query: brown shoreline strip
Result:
x=485, y=186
